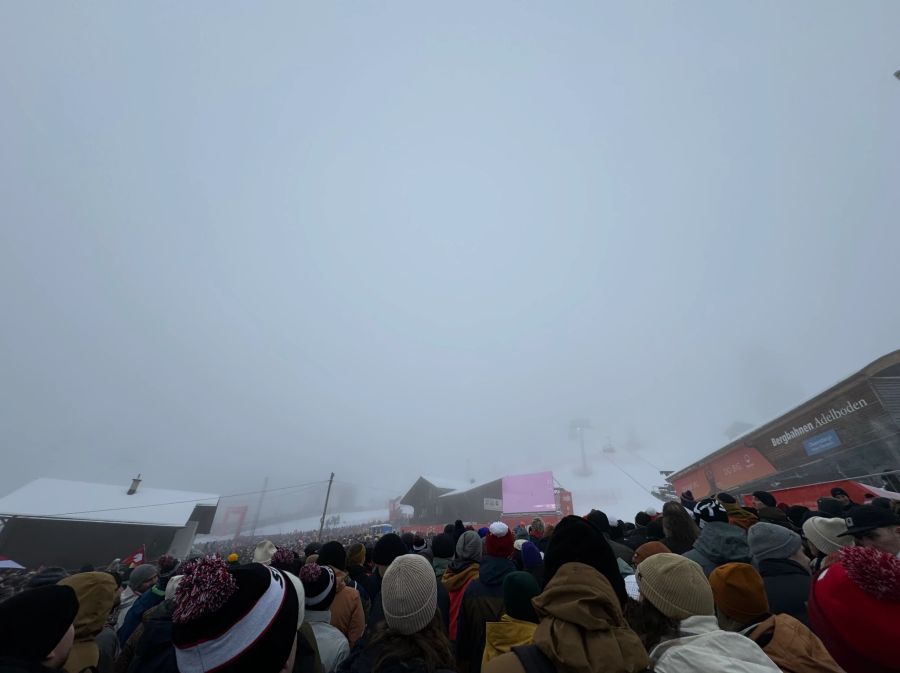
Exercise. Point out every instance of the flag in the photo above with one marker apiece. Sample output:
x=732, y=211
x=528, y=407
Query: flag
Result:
x=135, y=559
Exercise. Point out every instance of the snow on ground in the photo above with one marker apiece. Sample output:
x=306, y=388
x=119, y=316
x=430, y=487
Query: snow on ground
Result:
x=609, y=486
x=308, y=523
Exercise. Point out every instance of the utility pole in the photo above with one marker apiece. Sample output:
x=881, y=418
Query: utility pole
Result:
x=262, y=494
x=325, y=511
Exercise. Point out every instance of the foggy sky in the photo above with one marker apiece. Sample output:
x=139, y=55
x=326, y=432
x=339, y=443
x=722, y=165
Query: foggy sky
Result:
x=384, y=239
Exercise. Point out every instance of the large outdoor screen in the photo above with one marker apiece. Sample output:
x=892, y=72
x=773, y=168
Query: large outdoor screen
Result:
x=529, y=493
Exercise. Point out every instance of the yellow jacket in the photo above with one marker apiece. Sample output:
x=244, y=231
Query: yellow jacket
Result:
x=502, y=636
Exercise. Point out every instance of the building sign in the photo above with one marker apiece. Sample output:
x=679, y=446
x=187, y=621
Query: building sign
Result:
x=738, y=466
x=820, y=443
x=819, y=421
x=854, y=417
x=493, y=505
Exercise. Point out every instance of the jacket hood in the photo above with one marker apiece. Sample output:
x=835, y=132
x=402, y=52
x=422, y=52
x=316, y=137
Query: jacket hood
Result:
x=493, y=570
x=792, y=646
x=96, y=593
x=582, y=629
x=704, y=648
x=723, y=543
x=454, y=580
x=502, y=636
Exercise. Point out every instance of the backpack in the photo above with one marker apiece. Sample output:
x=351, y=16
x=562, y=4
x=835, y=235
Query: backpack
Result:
x=533, y=660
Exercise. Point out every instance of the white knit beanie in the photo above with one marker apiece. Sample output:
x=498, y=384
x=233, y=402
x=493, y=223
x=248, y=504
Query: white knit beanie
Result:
x=409, y=594
x=826, y=534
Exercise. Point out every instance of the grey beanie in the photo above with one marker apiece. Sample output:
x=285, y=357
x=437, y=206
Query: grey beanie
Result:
x=469, y=547
x=409, y=594
x=142, y=574
x=769, y=540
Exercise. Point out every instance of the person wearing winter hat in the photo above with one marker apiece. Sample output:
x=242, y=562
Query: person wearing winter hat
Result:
x=234, y=619
x=483, y=532
x=412, y=637
x=677, y=624
x=463, y=569
x=830, y=507
x=286, y=560
x=874, y=527
x=763, y=499
x=680, y=531
x=536, y=533
x=320, y=588
x=442, y=547
x=264, y=552
x=388, y=548
x=168, y=567
x=737, y=515
x=578, y=540
x=96, y=593
x=719, y=541
x=141, y=579
x=37, y=631
x=581, y=627
x=795, y=515
x=642, y=553
x=347, y=614
x=150, y=647
x=742, y=607
x=601, y=522
x=825, y=537
x=519, y=620
x=778, y=554
x=843, y=497
x=482, y=600
x=854, y=607
x=533, y=562
x=356, y=569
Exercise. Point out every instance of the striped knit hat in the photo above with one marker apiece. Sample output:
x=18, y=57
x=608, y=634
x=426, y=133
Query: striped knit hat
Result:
x=320, y=586
x=236, y=619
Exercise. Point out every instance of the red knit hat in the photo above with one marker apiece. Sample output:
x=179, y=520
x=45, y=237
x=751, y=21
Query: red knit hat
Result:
x=500, y=541
x=854, y=607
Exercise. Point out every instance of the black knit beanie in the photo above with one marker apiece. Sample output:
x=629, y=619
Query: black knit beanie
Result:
x=33, y=622
x=333, y=554
x=442, y=546
x=387, y=549
x=578, y=540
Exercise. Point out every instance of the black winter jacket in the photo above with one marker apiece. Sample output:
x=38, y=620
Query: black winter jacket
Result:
x=787, y=587
x=482, y=603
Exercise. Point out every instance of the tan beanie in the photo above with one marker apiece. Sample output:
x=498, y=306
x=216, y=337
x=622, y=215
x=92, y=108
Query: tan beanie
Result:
x=676, y=586
x=409, y=594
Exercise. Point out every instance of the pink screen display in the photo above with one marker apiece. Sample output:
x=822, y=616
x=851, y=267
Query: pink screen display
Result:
x=529, y=493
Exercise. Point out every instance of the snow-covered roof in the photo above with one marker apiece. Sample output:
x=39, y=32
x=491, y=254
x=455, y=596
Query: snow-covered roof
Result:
x=61, y=498
x=470, y=487
x=443, y=482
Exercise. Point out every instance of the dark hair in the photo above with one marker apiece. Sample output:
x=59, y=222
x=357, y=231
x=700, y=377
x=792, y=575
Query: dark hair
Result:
x=650, y=624
x=726, y=497
x=642, y=518
x=430, y=646
x=655, y=530
x=680, y=529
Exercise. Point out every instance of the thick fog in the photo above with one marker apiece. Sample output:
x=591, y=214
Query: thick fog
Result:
x=243, y=241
